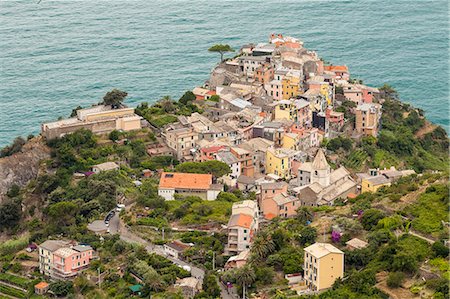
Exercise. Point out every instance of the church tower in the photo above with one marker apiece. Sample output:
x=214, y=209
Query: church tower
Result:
x=320, y=171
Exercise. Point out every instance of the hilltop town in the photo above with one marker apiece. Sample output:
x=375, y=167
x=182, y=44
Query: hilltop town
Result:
x=281, y=176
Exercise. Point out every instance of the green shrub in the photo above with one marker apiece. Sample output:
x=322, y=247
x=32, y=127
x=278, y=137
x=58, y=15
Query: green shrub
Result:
x=395, y=279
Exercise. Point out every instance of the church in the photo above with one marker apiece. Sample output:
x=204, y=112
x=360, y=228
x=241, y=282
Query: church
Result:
x=318, y=185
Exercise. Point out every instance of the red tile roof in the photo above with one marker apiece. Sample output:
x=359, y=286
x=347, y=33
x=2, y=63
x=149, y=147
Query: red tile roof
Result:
x=336, y=68
x=212, y=149
x=41, y=285
x=178, y=180
x=242, y=220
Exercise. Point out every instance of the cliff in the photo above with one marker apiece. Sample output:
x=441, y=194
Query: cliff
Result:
x=23, y=166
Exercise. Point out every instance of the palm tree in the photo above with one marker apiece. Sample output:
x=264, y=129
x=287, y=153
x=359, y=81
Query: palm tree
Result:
x=304, y=215
x=262, y=246
x=245, y=276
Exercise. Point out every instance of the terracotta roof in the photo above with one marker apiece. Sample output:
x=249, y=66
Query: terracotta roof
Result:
x=352, y=195
x=41, y=285
x=270, y=216
x=336, y=68
x=242, y=220
x=178, y=180
x=212, y=149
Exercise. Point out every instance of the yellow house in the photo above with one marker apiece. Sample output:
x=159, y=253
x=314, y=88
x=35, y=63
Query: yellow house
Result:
x=323, y=264
x=373, y=183
x=278, y=161
x=290, y=87
x=291, y=141
x=296, y=110
x=325, y=91
x=282, y=110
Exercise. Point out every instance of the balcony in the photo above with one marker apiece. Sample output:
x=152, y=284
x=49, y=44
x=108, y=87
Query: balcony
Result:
x=232, y=232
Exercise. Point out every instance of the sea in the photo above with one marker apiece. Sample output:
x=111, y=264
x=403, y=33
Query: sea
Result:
x=58, y=54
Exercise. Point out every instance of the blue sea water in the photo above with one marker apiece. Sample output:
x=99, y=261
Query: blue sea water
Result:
x=57, y=55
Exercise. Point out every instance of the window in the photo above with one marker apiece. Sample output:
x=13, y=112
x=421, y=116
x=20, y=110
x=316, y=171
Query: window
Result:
x=245, y=238
x=245, y=231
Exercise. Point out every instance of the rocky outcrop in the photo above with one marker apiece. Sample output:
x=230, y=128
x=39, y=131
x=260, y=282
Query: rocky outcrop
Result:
x=23, y=166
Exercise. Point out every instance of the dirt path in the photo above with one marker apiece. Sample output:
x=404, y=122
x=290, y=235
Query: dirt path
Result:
x=427, y=128
x=396, y=293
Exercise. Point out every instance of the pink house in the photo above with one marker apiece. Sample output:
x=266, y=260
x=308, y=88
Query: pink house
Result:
x=207, y=153
x=268, y=207
x=69, y=261
x=335, y=118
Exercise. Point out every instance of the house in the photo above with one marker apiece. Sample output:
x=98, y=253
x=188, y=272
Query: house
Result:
x=248, y=65
x=208, y=153
x=286, y=41
x=264, y=73
x=241, y=228
x=258, y=147
x=101, y=119
x=340, y=71
x=356, y=243
x=69, y=261
x=296, y=110
x=335, y=119
x=286, y=205
x=107, y=166
x=263, y=49
x=188, y=184
x=181, y=140
x=266, y=193
x=290, y=85
x=319, y=185
x=245, y=158
x=368, y=119
x=323, y=264
x=46, y=251
x=189, y=286
x=238, y=261
x=175, y=249
x=377, y=178
x=202, y=93
x=279, y=161
x=373, y=183
x=291, y=141
x=228, y=158
x=41, y=288
x=248, y=207
x=245, y=183
x=61, y=260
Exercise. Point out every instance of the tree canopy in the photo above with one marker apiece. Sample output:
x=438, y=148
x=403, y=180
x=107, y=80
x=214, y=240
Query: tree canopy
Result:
x=221, y=49
x=114, y=98
x=216, y=168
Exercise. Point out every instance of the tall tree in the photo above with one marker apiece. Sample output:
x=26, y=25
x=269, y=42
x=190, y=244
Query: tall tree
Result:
x=245, y=276
x=221, y=49
x=114, y=98
x=262, y=246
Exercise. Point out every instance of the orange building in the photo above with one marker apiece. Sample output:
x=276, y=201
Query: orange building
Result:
x=264, y=73
x=188, y=184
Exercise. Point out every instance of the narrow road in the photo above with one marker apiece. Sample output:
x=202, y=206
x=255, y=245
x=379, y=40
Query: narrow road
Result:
x=127, y=236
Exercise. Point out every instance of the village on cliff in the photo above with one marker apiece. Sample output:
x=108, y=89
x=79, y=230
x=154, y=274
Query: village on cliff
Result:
x=266, y=113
